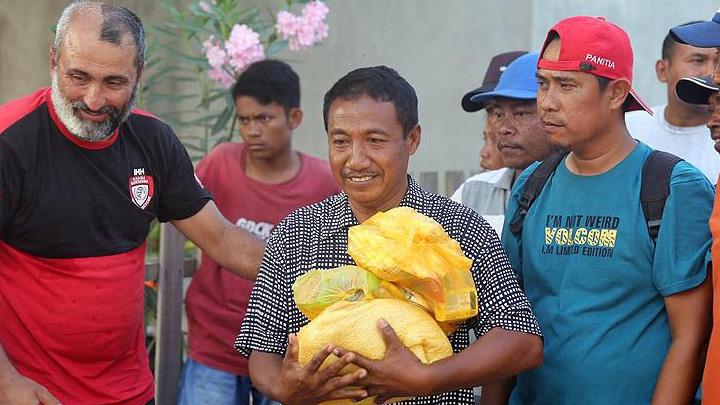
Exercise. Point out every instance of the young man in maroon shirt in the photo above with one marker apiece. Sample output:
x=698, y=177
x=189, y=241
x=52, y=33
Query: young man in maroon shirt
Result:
x=255, y=184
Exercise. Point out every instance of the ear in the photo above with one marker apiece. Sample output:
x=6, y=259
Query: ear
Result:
x=661, y=67
x=618, y=91
x=53, y=60
x=140, y=73
x=412, y=141
x=295, y=117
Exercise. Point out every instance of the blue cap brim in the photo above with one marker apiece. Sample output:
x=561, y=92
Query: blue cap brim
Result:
x=507, y=93
x=704, y=34
x=695, y=90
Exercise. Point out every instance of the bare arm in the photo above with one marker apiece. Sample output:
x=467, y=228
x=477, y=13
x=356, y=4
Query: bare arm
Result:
x=690, y=319
x=18, y=390
x=304, y=384
x=498, y=393
x=496, y=356
x=228, y=245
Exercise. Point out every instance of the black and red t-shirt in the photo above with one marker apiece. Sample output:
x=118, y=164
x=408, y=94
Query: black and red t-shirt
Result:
x=73, y=220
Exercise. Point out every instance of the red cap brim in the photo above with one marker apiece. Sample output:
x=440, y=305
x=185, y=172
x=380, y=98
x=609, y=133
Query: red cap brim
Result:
x=636, y=103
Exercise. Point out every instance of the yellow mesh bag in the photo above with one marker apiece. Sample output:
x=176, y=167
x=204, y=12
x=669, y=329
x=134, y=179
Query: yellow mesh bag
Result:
x=414, y=252
x=318, y=289
x=353, y=326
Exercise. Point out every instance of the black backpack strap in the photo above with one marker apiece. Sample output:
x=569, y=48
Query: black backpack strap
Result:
x=655, y=188
x=533, y=187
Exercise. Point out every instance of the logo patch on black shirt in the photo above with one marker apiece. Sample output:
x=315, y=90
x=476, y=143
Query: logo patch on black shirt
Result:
x=142, y=189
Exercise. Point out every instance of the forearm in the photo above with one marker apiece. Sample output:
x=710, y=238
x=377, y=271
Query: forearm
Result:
x=239, y=252
x=264, y=371
x=681, y=373
x=228, y=245
x=7, y=370
x=494, y=357
x=498, y=393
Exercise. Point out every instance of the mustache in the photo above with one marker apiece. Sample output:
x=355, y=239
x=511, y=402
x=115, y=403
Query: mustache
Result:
x=110, y=111
x=347, y=173
x=503, y=145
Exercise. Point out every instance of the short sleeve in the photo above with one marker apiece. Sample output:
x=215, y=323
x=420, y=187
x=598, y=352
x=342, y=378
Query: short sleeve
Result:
x=682, y=252
x=10, y=185
x=265, y=327
x=510, y=241
x=501, y=301
x=182, y=196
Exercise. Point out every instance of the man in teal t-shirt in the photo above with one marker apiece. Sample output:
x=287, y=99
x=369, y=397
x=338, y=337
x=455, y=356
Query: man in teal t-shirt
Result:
x=624, y=317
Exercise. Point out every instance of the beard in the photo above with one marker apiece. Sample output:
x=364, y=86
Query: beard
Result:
x=69, y=114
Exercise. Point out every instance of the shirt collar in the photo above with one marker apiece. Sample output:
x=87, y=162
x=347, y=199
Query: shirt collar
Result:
x=340, y=216
x=505, y=181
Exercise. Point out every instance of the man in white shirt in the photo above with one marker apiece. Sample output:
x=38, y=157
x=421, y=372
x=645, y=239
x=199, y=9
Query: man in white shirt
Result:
x=678, y=127
x=522, y=139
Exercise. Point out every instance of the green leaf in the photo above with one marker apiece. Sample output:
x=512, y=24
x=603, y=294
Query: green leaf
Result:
x=194, y=147
x=222, y=121
x=276, y=47
x=170, y=96
x=205, y=103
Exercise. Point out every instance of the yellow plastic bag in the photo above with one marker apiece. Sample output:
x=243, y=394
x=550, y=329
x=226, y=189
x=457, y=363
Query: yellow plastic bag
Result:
x=353, y=326
x=413, y=251
x=318, y=289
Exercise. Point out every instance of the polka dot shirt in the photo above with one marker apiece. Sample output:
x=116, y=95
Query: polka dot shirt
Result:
x=315, y=237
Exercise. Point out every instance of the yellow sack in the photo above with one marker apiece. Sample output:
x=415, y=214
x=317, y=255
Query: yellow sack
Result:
x=413, y=251
x=353, y=326
x=318, y=289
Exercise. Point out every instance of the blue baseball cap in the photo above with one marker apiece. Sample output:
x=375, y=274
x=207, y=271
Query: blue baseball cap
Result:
x=703, y=34
x=498, y=64
x=696, y=90
x=517, y=81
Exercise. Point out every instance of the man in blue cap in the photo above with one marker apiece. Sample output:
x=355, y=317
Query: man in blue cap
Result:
x=675, y=126
x=704, y=90
x=521, y=138
x=490, y=158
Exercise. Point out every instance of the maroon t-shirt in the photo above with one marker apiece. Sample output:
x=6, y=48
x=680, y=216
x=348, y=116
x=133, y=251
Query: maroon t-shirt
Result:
x=216, y=300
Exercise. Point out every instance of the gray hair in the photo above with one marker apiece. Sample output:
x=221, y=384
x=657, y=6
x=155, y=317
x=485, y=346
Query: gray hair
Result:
x=117, y=21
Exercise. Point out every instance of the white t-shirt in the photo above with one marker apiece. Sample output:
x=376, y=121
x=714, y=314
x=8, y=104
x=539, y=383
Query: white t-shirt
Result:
x=690, y=143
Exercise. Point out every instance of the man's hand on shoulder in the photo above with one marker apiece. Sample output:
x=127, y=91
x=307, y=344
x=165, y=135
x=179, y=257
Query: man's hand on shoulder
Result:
x=19, y=390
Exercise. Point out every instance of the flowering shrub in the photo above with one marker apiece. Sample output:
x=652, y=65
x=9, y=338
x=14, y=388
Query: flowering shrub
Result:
x=207, y=45
x=306, y=30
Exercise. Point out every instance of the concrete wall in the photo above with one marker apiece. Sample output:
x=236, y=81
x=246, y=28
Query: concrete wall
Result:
x=442, y=48
x=26, y=33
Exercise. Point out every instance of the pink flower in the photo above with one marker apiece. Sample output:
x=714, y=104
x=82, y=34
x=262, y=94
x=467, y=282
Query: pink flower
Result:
x=304, y=31
x=214, y=53
x=287, y=24
x=243, y=47
x=204, y=6
x=315, y=12
x=221, y=76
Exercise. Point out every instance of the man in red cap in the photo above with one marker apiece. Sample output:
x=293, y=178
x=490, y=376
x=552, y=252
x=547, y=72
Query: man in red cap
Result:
x=624, y=312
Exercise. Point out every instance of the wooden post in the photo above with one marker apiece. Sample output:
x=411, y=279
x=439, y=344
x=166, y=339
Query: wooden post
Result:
x=168, y=337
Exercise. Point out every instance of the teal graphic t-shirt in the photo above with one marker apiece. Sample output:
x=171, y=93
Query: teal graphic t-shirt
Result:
x=597, y=282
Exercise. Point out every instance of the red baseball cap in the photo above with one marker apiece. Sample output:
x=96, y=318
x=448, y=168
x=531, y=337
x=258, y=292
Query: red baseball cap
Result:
x=596, y=46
